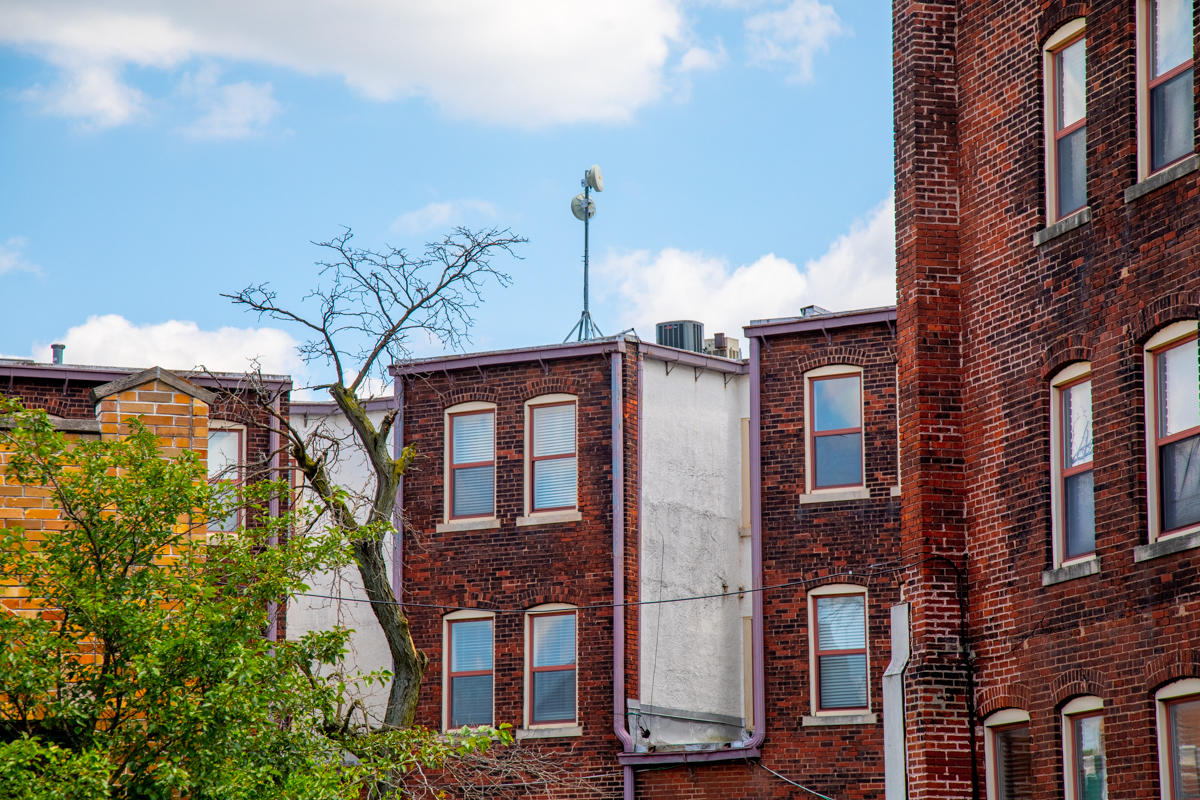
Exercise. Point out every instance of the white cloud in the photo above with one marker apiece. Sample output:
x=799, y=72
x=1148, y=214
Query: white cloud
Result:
x=792, y=36
x=526, y=64
x=857, y=271
x=698, y=59
x=436, y=216
x=112, y=340
x=230, y=111
x=92, y=93
x=12, y=259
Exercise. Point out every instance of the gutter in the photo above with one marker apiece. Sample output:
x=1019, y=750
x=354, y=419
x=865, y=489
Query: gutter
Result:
x=398, y=509
x=748, y=748
x=273, y=509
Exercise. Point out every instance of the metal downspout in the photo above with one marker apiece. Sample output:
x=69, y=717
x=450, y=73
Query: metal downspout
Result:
x=398, y=509
x=273, y=508
x=618, y=548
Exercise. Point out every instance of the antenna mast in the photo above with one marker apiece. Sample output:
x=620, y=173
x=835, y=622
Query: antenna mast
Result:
x=584, y=208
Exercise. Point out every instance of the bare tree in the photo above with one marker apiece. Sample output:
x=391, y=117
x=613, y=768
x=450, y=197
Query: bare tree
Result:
x=370, y=305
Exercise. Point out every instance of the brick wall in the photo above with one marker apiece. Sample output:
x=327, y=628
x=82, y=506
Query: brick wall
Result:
x=978, y=289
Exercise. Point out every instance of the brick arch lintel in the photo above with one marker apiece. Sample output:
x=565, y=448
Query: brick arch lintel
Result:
x=1064, y=352
x=468, y=394
x=1172, y=667
x=1009, y=695
x=850, y=356
x=541, y=595
x=550, y=384
x=1077, y=682
x=1058, y=15
x=1162, y=312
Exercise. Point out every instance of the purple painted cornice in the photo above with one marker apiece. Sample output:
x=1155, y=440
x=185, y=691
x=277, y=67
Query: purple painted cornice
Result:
x=612, y=344
x=821, y=322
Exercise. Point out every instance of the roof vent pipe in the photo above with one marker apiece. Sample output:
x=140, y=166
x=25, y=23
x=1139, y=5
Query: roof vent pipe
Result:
x=57, y=353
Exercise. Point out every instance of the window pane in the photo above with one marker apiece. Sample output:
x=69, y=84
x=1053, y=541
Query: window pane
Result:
x=554, y=696
x=554, y=640
x=838, y=459
x=1171, y=120
x=1171, y=37
x=1089, y=758
x=1180, y=473
x=1072, y=77
x=1072, y=171
x=1014, y=765
x=1080, y=514
x=840, y=624
x=554, y=483
x=474, y=438
x=1178, y=389
x=1077, y=424
x=1185, y=749
x=836, y=404
x=471, y=700
x=553, y=429
x=472, y=645
x=474, y=488
x=844, y=681
x=224, y=454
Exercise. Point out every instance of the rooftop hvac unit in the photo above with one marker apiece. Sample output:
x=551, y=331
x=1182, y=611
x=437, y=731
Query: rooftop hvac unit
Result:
x=723, y=346
x=686, y=334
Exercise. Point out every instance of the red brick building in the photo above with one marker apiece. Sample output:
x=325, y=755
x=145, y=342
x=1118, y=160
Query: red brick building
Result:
x=1047, y=239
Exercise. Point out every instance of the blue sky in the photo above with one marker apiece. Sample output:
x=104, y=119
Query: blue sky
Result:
x=153, y=155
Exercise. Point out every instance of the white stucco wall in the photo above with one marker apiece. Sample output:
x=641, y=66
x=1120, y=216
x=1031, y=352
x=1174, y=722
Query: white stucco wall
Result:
x=691, y=499
x=367, y=649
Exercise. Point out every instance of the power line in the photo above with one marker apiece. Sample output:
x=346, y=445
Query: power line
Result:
x=786, y=779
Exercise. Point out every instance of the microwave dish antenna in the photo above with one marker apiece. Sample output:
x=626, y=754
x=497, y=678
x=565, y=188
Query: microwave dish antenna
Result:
x=583, y=207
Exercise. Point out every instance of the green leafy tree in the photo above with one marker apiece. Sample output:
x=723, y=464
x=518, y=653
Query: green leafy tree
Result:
x=141, y=671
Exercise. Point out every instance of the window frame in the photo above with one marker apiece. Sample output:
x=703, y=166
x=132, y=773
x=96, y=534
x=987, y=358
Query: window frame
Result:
x=1181, y=691
x=1146, y=84
x=1066, y=35
x=1075, y=710
x=1002, y=720
x=448, y=674
x=1066, y=378
x=546, y=401
x=815, y=653
x=450, y=415
x=829, y=372
x=227, y=426
x=1167, y=338
x=548, y=610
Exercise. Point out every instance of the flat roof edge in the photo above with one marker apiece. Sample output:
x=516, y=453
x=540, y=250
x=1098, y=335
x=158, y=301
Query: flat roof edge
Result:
x=840, y=319
x=515, y=356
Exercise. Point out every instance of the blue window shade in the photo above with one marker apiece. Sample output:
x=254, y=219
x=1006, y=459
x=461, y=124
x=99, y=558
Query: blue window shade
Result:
x=472, y=643
x=836, y=403
x=554, y=483
x=474, y=490
x=471, y=700
x=840, y=623
x=841, y=626
x=1080, y=514
x=553, y=430
x=554, y=696
x=553, y=640
x=474, y=438
x=473, y=442
x=1180, y=471
x=844, y=681
x=838, y=459
x=1072, y=171
x=1171, y=119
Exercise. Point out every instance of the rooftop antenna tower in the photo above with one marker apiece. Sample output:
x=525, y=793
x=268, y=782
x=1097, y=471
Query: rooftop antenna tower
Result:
x=584, y=208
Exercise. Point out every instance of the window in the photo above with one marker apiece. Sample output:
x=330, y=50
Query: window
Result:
x=552, y=464
x=1008, y=755
x=838, y=631
x=550, y=668
x=1179, y=740
x=1065, y=61
x=468, y=665
x=835, y=441
x=1166, y=116
x=1072, y=496
x=471, y=455
x=226, y=454
x=1173, y=430
x=1083, y=749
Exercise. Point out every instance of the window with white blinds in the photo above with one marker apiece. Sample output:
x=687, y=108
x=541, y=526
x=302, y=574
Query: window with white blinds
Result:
x=469, y=647
x=472, y=464
x=552, y=668
x=840, y=631
x=553, y=463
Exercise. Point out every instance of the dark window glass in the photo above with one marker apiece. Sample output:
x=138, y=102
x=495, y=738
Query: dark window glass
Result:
x=1014, y=765
x=1072, y=171
x=1172, y=120
x=839, y=459
x=1180, y=475
x=554, y=696
x=1088, y=735
x=1185, y=749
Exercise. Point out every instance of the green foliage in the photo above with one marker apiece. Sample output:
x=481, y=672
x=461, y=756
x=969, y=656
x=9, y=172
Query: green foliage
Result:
x=145, y=673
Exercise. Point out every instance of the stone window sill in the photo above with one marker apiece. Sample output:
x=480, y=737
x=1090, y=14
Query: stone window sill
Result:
x=1069, y=572
x=1162, y=178
x=481, y=524
x=549, y=518
x=834, y=496
x=549, y=733
x=864, y=718
x=1175, y=543
x=1080, y=217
